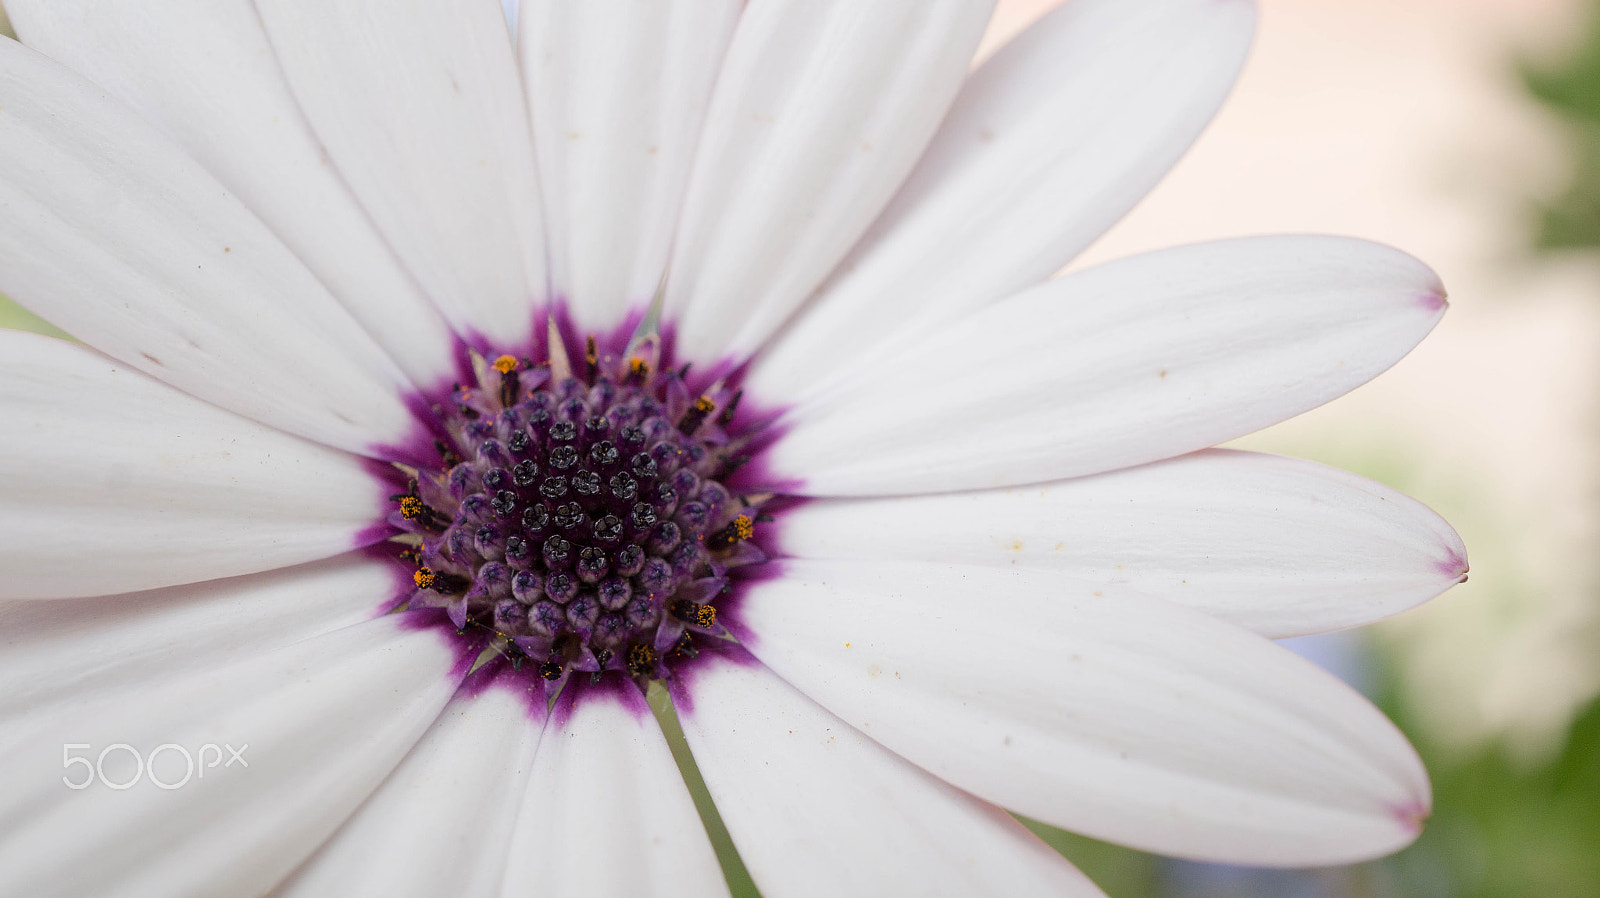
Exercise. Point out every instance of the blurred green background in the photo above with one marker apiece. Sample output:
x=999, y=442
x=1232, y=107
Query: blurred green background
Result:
x=1467, y=131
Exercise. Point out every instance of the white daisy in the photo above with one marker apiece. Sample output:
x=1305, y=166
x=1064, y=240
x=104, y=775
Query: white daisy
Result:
x=364, y=289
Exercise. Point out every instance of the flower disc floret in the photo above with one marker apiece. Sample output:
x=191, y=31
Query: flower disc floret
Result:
x=577, y=516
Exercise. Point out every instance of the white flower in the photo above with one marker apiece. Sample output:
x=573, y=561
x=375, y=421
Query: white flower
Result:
x=1015, y=581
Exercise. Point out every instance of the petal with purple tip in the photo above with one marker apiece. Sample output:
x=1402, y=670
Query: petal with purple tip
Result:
x=1129, y=362
x=1121, y=717
x=1049, y=143
x=1277, y=545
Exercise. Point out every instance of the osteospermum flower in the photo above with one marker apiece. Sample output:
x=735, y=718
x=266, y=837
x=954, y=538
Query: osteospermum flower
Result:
x=440, y=395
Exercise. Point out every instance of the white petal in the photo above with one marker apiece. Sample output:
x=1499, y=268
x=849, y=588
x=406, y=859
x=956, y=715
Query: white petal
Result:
x=1125, y=718
x=86, y=650
x=111, y=232
x=821, y=110
x=617, y=90
x=419, y=105
x=319, y=724
x=1050, y=142
x=202, y=72
x=816, y=808
x=1132, y=361
x=1277, y=545
x=111, y=481
x=606, y=811
x=441, y=822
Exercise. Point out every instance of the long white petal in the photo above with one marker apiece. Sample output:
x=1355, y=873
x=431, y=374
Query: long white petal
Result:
x=440, y=824
x=821, y=110
x=111, y=481
x=319, y=725
x=110, y=231
x=203, y=72
x=1050, y=142
x=419, y=105
x=86, y=650
x=606, y=811
x=617, y=90
x=1277, y=545
x=816, y=808
x=1129, y=362
x=1125, y=718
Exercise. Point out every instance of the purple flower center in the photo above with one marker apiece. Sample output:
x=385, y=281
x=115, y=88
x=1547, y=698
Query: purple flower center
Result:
x=577, y=518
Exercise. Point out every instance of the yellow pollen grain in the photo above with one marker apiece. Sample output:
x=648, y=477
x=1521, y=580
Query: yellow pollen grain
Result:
x=505, y=364
x=641, y=656
x=410, y=507
x=423, y=578
x=743, y=527
x=704, y=404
